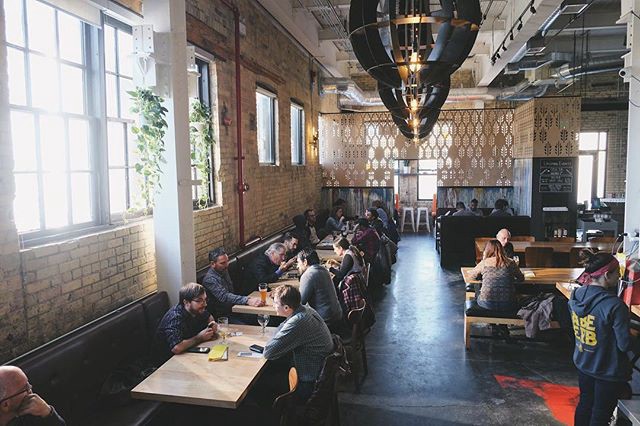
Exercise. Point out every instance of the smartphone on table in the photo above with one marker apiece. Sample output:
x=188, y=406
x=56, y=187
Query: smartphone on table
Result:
x=198, y=350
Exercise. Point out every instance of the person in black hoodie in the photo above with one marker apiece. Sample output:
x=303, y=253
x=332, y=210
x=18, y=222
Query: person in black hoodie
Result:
x=601, y=327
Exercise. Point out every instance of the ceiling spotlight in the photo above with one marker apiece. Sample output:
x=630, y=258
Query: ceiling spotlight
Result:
x=497, y=55
x=504, y=48
x=532, y=9
x=519, y=25
x=511, y=36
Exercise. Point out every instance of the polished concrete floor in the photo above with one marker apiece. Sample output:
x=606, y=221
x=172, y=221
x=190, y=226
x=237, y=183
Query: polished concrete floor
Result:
x=421, y=374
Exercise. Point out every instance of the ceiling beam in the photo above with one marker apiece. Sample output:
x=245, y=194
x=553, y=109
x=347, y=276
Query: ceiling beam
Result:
x=329, y=34
x=312, y=5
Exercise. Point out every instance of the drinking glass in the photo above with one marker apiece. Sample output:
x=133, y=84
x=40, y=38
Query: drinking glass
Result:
x=223, y=328
x=516, y=259
x=263, y=287
x=263, y=320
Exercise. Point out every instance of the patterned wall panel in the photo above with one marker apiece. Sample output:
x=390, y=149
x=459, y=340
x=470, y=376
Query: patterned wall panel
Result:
x=548, y=127
x=473, y=148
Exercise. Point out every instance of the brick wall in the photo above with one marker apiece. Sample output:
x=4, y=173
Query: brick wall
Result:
x=615, y=123
x=47, y=291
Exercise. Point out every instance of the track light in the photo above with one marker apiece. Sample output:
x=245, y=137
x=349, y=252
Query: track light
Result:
x=497, y=55
x=519, y=25
x=511, y=36
x=504, y=48
x=532, y=9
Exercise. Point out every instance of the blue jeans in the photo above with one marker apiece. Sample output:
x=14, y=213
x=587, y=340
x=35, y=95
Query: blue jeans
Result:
x=598, y=398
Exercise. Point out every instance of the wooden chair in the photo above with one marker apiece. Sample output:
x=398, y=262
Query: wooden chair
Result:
x=603, y=240
x=284, y=405
x=563, y=239
x=357, y=342
x=527, y=238
x=538, y=257
x=481, y=241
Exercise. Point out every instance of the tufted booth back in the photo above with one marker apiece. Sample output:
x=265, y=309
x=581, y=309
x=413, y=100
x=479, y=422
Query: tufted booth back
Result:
x=69, y=372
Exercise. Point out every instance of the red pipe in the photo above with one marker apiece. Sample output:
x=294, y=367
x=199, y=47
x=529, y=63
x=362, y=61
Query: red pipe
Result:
x=240, y=158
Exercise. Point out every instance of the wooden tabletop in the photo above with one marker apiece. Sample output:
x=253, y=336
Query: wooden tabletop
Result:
x=520, y=246
x=540, y=275
x=327, y=242
x=567, y=288
x=191, y=379
x=247, y=309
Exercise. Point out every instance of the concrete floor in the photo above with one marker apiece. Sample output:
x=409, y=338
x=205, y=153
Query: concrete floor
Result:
x=420, y=373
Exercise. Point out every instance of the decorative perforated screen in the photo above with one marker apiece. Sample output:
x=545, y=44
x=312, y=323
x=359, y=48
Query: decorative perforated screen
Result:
x=473, y=148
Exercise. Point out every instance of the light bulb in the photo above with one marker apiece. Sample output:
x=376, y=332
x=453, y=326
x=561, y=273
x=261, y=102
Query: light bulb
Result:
x=414, y=64
x=414, y=105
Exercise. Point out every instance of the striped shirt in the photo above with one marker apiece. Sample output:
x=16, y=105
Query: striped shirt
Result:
x=305, y=335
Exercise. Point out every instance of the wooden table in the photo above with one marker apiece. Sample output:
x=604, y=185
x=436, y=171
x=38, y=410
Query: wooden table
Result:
x=541, y=275
x=327, y=242
x=192, y=379
x=520, y=246
x=247, y=309
x=566, y=288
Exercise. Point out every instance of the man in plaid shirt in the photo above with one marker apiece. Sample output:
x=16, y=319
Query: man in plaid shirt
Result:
x=304, y=334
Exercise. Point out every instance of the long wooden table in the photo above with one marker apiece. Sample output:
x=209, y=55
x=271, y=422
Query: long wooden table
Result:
x=558, y=247
x=567, y=288
x=540, y=275
x=191, y=379
x=268, y=309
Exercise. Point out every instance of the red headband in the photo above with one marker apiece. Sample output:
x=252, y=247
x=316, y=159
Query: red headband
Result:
x=586, y=277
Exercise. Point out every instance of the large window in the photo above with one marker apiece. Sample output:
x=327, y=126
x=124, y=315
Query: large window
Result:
x=204, y=96
x=50, y=92
x=267, y=111
x=123, y=187
x=297, y=134
x=592, y=164
x=427, y=179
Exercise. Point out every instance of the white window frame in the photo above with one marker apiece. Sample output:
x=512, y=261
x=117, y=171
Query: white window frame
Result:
x=272, y=159
x=426, y=172
x=599, y=165
x=298, y=146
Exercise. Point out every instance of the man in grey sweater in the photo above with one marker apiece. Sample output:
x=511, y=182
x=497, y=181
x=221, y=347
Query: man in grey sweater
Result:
x=316, y=287
x=303, y=334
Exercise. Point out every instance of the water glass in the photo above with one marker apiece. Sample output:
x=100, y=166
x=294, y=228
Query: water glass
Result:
x=263, y=320
x=223, y=328
x=516, y=259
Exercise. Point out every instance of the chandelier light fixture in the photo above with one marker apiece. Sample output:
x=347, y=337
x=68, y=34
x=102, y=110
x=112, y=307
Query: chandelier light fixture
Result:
x=412, y=50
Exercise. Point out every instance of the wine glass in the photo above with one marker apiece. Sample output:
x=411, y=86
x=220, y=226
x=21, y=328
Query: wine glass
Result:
x=263, y=320
x=517, y=260
x=223, y=328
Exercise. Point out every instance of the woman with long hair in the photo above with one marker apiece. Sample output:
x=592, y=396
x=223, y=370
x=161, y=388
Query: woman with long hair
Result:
x=499, y=275
x=336, y=222
x=601, y=327
x=352, y=261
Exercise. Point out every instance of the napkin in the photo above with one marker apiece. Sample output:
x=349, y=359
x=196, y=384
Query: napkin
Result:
x=529, y=274
x=219, y=353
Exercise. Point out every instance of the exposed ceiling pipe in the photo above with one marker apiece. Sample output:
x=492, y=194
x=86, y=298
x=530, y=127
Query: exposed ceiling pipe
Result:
x=350, y=90
x=596, y=66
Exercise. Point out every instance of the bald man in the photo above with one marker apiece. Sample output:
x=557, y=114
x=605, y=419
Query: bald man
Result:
x=504, y=236
x=19, y=405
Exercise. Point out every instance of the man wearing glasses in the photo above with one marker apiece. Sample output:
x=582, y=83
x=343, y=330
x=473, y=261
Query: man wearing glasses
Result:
x=185, y=325
x=19, y=405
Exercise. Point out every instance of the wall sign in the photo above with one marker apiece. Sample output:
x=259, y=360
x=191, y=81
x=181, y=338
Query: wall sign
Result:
x=556, y=175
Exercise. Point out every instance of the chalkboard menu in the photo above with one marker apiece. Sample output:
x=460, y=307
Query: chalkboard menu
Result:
x=556, y=175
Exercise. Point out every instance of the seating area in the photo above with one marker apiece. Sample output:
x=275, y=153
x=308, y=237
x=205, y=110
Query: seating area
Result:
x=319, y=212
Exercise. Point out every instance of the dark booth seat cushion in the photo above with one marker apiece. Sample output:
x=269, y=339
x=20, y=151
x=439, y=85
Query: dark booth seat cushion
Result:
x=137, y=413
x=471, y=309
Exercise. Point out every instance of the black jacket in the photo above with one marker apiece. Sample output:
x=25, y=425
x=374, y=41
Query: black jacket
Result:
x=260, y=270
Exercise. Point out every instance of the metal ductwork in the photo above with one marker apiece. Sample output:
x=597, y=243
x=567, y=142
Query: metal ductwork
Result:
x=349, y=89
x=596, y=66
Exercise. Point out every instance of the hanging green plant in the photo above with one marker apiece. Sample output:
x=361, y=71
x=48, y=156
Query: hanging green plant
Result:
x=149, y=134
x=201, y=135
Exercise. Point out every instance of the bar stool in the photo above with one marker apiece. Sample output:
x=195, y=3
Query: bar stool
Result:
x=424, y=210
x=406, y=210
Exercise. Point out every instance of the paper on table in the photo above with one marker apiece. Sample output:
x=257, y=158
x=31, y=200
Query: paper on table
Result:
x=529, y=274
x=249, y=355
x=219, y=353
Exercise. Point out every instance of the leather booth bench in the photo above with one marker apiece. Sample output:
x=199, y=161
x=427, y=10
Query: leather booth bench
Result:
x=457, y=235
x=70, y=371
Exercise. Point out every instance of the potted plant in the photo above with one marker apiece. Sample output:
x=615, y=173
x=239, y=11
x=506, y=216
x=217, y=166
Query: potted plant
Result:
x=201, y=136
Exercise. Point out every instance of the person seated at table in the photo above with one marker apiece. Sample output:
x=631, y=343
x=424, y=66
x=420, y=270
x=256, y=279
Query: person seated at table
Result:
x=504, y=236
x=300, y=231
x=303, y=334
x=336, y=222
x=383, y=214
x=367, y=239
x=375, y=222
x=267, y=267
x=290, y=242
x=601, y=326
x=185, y=325
x=340, y=202
x=310, y=216
x=473, y=208
x=499, y=274
x=220, y=289
x=461, y=210
x=316, y=289
x=19, y=405
x=352, y=261
x=501, y=208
